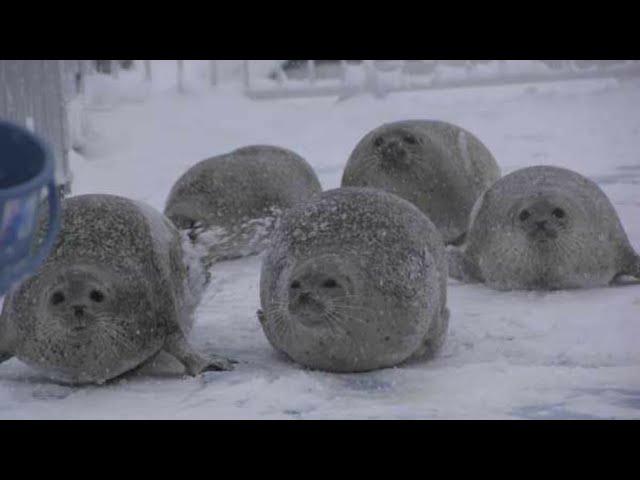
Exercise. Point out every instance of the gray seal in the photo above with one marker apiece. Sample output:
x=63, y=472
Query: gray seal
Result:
x=439, y=167
x=113, y=294
x=355, y=281
x=228, y=204
x=544, y=228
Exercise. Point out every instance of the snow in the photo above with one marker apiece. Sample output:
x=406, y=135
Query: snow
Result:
x=569, y=354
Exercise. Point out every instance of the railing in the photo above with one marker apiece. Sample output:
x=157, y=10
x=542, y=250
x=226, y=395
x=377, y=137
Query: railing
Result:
x=303, y=78
x=113, y=67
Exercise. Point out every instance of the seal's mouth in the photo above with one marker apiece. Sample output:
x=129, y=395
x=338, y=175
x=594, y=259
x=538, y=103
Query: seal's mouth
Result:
x=308, y=310
x=543, y=234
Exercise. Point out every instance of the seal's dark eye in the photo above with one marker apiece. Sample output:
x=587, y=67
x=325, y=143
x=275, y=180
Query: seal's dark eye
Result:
x=378, y=142
x=558, y=213
x=96, y=296
x=295, y=284
x=57, y=298
x=411, y=140
x=524, y=214
x=329, y=283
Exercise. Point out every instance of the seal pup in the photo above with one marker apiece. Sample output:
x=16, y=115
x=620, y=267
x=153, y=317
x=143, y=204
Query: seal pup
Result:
x=439, y=167
x=227, y=205
x=355, y=280
x=544, y=228
x=113, y=294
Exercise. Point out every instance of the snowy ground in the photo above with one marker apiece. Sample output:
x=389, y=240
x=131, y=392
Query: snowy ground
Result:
x=573, y=354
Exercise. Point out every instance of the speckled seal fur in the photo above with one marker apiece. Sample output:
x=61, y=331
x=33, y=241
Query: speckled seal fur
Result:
x=544, y=228
x=229, y=204
x=439, y=167
x=355, y=281
x=113, y=293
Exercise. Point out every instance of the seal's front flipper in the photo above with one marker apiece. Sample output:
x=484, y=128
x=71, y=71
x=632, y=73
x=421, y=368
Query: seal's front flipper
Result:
x=461, y=267
x=193, y=362
x=261, y=316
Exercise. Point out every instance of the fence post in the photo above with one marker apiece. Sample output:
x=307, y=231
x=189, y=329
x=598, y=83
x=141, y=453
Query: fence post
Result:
x=311, y=67
x=147, y=71
x=247, y=83
x=343, y=72
x=115, y=69
x=213, y=72
x=180, y=76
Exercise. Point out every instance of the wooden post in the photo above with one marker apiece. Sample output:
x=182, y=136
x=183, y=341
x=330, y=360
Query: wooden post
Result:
x=213, y=72
x=343, y=71
x=311, y=68
x=82, y=77
x=247, y=82
x=115, y=68
x=181, y=76
x=147, y=71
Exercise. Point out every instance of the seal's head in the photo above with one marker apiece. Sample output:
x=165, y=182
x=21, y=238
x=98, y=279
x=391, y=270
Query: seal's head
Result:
x=544, y=218
x=320, y=290
x=393, y=149
x=84, y=323
x=333, y=317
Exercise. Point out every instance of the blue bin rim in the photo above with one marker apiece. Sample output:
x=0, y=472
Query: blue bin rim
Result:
x=40, y=180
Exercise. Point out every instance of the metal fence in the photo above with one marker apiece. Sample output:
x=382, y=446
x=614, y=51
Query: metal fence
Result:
x=303, y=78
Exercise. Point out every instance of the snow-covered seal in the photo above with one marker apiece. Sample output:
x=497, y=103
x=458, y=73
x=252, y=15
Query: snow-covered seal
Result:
x=439, y=167
x=114, y=292
x=544, y=228
x=355, y=280
x=228, y=205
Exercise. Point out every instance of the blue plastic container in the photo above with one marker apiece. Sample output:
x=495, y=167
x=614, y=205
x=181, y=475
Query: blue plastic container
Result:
x=26, y=171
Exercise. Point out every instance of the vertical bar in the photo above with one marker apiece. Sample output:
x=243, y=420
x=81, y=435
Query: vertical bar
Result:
x=246, y=79
x=81, y=77
x=65, y=130
x=147, y=71
x=115, y=68
x=311, y=69
x=343, y=71
x=180, y=72
x=213, y=72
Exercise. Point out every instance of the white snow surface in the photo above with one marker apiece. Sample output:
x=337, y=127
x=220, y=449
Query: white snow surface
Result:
x=535, y=355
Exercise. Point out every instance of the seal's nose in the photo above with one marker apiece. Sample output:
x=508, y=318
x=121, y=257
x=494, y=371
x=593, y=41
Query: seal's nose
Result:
x=78, y=310
x=304, y=297
x=392, y=150
x=541, y=224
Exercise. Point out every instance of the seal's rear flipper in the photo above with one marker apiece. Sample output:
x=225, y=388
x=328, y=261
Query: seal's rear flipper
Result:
x=193, y=362
x=435, y=337
x=7, y=335
x=461, y=267
x=631, y=269
x=5, y=356
x=635, y=267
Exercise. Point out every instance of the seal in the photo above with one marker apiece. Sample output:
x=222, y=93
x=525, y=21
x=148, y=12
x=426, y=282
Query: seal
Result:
x=228, y=205
x=544, y=228
x=439, y=167
x=113, y=294
x=355, y=281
